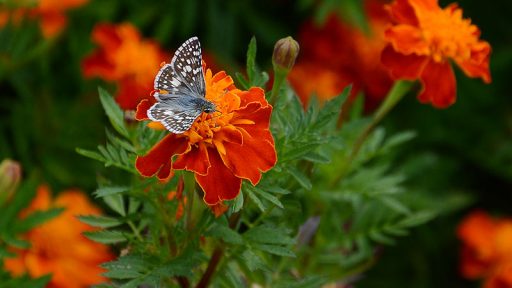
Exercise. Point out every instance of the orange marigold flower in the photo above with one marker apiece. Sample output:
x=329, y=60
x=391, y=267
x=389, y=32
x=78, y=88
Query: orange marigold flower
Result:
x=51, y=13
x=342, y=54
x=423, y=42
x=487, y=249
x=220, y=148
x=58, y=246
x=119, y=59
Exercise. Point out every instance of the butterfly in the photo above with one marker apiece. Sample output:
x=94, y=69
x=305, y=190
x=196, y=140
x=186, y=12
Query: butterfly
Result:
x=181, y=90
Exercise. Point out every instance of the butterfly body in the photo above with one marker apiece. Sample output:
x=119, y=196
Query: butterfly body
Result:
x=181, y=97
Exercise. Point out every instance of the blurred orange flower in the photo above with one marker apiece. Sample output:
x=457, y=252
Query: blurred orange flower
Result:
x=220, y=148
x=487, y=249
x=51, y=13
x=338, y=54
x=124, y=57
x=58, y=247
x=423, y=42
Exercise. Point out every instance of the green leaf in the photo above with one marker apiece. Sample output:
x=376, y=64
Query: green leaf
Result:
x=276, y=250
x=253, y=261
x=238, y=203
x=36, y=218
x=307, y=282
x=395, y=205
x=99, y=221
x=316, y=158
x=116, y=202
x=268, y=235
x=268, y=196
x=108, y=191
x=127, y=267
x=114, y=113
x=251, y=60
x=225, y=233
x=182, y=265
x=417, y=218
x=300, y=177
x=106, y=236
x=331, y=110
x=255, y=199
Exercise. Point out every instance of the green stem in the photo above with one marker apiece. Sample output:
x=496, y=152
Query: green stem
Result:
x=135, y=231
x=279, y=77
x=397, y=92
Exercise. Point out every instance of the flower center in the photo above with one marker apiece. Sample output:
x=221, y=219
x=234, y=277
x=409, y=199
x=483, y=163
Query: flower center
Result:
x=448, y=34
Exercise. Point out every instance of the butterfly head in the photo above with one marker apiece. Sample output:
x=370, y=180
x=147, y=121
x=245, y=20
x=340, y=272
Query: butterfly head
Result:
x=209, y=107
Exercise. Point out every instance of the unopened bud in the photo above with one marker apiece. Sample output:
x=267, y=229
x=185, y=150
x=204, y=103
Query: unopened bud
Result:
x=286, y=51
x=10, y=176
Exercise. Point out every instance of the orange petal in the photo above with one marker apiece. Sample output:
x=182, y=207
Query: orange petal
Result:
x=219, y=184
x=439, y=86
x=160, y=156
x=195, y=160
x=478, y=64
x=142, y=110
x=254, y=94
x=407, y=39
x=403, y=12
x=402, y=66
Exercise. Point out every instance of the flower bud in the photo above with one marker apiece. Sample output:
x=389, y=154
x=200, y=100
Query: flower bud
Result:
x=10, y=176
x=286, y=51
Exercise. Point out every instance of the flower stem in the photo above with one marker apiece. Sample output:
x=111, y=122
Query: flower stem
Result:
x=217, y=254
x=397, y=92
x=279, y=77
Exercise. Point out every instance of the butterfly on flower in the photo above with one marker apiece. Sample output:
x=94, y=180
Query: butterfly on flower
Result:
x=181, y=90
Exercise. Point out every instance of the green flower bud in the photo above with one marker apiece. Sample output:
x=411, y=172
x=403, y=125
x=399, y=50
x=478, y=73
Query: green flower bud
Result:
x=10, y=176
x=286, y=51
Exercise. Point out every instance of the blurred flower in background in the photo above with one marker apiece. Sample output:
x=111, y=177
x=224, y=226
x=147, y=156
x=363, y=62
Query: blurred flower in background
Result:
x=125, y=58
x=58, y=247
x=423, y=42
x=221, y=150
x=486, y=249
x=339, y=53
x=51, y=14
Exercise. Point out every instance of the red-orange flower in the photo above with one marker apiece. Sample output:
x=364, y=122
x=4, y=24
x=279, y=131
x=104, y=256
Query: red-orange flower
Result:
x=124, y=57
x=487, y=249
x=51, y=13
x=338, y=53
x=423, y=42
x=220, y=148
x=58, y=247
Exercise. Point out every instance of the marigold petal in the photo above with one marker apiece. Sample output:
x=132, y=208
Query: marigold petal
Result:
x=219, y=184
x=160, y=155
x=142, y=110
x=53, y=23
x=407, y=39
x=257, y=148
x=254, y=94
x=219, y=209
x=478, y=64
x=402, y=12
x=403, y=66
x=195, y=160
x=97, y=64
x=439, y=86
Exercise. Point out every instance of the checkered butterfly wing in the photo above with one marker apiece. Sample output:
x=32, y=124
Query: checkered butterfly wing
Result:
x=184, y=75
x=183, y=80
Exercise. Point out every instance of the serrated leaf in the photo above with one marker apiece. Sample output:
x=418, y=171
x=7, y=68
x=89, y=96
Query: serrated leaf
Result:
x=331, y=110
x=108, y=191
x=300, y=177
x=298, y=151
x=316, y=158
x=255, y=199
x=377, y=236
x=116, y=203
x=253, y=261
x=225, y=233
x=182, y=265
x=127, y=267
x=251, y=60
x=417, y=219
x=114, y=113
x=106, y=236
x=307, y=282
x=276, y=250
x=268, y=196
x=99, y=221
x=238, y=203
x=395, y=205
x=90, y=154
x=242, y=81
x=268, y=235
